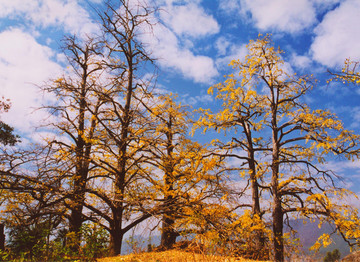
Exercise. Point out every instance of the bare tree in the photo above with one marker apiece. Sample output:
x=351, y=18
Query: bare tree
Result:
x=75, y=122
x=124, y=119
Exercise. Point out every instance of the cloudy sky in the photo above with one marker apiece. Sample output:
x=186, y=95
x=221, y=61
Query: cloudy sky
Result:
x=193, y=46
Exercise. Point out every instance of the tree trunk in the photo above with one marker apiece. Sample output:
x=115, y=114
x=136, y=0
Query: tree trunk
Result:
x=168, y=234
x=2, y=238
x=116, y=238
x=259, y=238
x=277, y=217
x=76, y=216
x=82, y=166
x=277, y=214
x=76, y=221
x=116, y=231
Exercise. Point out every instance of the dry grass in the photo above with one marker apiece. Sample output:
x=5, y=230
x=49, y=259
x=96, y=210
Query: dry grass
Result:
x=172, y=256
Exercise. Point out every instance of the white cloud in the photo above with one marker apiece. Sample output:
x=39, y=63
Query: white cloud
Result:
x=166, y=47
x=44, y=13
x=235, y=52
x=23, y=64
x=16, y=7
x=190, y=20
x=222, y=44
x=171, y=41
x=354, y=113
x=300, y=61
x=338, y=35
x=283, y=15
x=230, y=5
x=193, y=100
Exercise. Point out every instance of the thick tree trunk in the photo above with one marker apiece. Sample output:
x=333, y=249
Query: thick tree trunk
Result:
x=255, y=197
x=76, y=220
x=168, y=234
x=116, y=231
x=277, y=213
x=259, y=238
x=252, y=170
x=2, y=238
x=116, y=238
x=82, y=166
x=277, y=217
x=76, y=216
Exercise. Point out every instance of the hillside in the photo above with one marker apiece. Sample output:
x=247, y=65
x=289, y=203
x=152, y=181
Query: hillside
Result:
x=171, y=256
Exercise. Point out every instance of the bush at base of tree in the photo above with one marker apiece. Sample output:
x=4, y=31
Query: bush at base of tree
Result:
x=32, y=244
x=332, y=256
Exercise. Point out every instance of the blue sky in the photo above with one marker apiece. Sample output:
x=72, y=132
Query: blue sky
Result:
x=193, y=45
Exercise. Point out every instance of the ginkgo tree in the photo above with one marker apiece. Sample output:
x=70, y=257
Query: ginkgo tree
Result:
x=53, y=175
x=187, y=174
x=240, y=117
x=75, y=123
x=117, y=197
x=291, y=141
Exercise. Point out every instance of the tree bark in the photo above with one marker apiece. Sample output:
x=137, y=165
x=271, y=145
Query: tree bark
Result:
x=256, y=211
x=75, y=223
x=116, y=238
x=277, y=217
x=277, y=213
x=2, y=237
x=168, y=234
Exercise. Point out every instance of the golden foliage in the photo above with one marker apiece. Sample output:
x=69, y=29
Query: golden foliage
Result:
x=349, y=74
x=172, y=256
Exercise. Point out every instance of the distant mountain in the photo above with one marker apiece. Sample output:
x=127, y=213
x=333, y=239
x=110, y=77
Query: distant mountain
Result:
x=309, y=232
x=139, y=243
